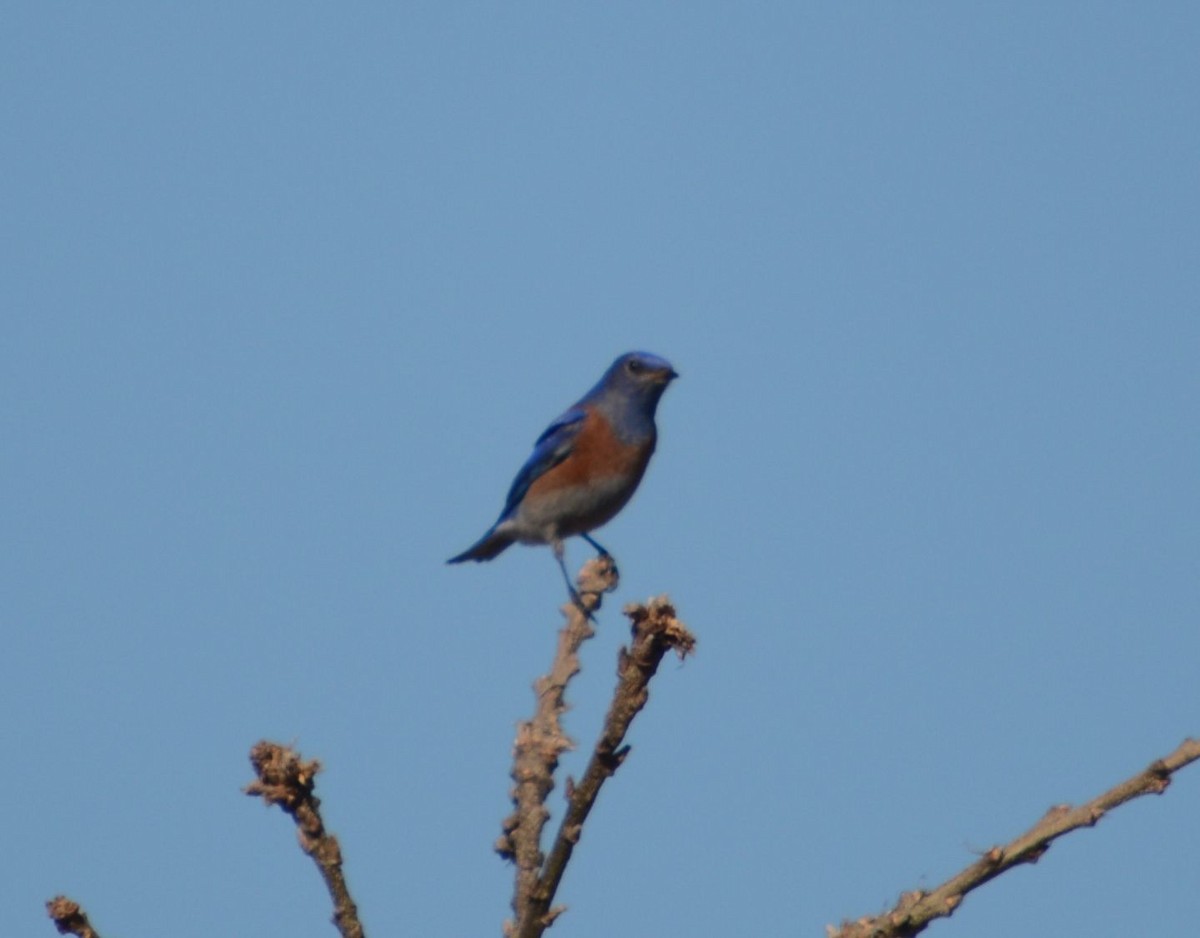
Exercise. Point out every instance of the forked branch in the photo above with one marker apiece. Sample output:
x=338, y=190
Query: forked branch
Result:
x=541, y=741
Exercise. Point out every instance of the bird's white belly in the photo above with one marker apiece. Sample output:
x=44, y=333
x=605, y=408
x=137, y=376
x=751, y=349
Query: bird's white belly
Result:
x=575, y=509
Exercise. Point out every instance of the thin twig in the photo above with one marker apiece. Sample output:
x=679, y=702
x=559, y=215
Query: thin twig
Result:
x=915, y=910
x=69, y=918
x=541, y=740
x=655, y=631
x=284, y=779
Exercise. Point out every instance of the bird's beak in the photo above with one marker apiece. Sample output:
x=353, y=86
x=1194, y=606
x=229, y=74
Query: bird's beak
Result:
x=668, y=376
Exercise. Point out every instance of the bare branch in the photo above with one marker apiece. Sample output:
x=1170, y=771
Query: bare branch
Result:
x=69, y=918
x=655, y=632
x=284, y=779
x=915, y=910
x=541, y=740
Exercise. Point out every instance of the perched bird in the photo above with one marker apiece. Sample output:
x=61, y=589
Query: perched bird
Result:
x=586, y=464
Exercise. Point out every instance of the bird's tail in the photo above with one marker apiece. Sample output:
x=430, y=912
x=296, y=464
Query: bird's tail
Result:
x=487, y=547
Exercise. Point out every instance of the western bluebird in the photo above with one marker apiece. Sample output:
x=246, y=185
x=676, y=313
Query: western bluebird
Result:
x=586, y=465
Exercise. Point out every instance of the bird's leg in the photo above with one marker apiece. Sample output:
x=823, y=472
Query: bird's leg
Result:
x=557, y=546
x=599, y=547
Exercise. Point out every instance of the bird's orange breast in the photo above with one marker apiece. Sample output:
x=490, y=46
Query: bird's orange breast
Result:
x=596, y=454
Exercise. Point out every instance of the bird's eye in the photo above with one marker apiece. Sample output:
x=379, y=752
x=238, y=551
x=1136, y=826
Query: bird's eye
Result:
x=635, y=367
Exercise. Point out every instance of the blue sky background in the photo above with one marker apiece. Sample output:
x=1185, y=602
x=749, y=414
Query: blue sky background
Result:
x=290, y=289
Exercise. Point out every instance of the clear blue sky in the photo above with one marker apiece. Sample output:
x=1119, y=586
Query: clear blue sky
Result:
x=288, y=291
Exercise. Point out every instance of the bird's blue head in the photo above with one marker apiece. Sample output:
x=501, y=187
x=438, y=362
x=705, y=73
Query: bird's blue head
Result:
x=631, y=387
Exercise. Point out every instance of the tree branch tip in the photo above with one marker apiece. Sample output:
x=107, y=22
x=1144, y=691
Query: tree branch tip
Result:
x=549, y=917
x=656, y=619
x=69, y=917
x=62, y=907
x=283, y=777
x=657, y=606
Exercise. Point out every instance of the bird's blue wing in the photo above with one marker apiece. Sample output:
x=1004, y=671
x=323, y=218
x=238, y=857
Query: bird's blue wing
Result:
x=551, y=448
